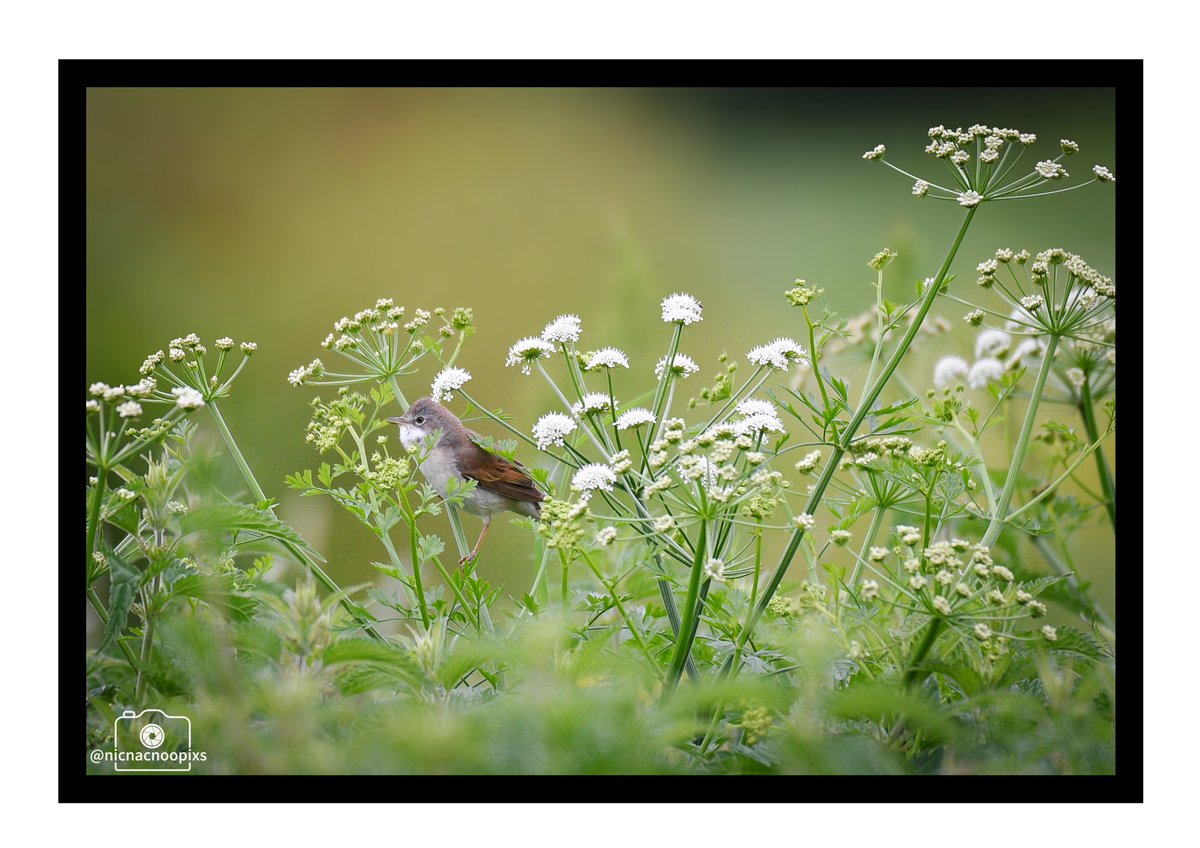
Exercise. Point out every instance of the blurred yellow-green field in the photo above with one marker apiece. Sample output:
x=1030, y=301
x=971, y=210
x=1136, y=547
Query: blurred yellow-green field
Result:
x=266, y=214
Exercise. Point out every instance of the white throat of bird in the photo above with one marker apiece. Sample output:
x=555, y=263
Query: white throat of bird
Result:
x=411, y=436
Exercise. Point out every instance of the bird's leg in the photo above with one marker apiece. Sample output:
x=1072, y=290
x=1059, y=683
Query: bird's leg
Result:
x=487, y=522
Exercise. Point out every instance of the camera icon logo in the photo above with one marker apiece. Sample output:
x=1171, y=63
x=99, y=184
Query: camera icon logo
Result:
x=152, y=736
x=152, y=740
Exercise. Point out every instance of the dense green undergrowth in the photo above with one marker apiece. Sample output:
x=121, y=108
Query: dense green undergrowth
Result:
x=902, y=629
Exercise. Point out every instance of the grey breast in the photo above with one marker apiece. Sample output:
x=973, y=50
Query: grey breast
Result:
x=438, y=468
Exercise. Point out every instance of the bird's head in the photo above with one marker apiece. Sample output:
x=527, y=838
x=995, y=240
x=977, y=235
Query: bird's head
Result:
x=424, y=418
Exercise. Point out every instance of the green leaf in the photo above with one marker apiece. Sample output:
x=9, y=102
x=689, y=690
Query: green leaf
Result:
x=218, y=590
x=325, y=474
x=124, y=581
x=374, y=665
x=1072, y=640
x=389, y=570
x=429, y=546
x=300, y=480
x=246, y=519
x=124, y=514
x=885, y=703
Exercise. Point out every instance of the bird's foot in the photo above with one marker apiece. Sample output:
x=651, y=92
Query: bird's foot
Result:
x=468, y=558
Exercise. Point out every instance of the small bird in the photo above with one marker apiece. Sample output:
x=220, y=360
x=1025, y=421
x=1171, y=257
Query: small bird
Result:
x=501, y=485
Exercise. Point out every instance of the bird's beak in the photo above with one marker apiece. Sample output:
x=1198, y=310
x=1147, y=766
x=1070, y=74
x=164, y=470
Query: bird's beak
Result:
x=398, y=420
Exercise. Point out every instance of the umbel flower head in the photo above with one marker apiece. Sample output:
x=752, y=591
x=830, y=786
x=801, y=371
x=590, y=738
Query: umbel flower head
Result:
x=385, y=340
x=636, y=417
x=950, y=370
x=593, y=476
x=607, y=357
x=552, y=428
x=186, y=376
x=684, y=366
x=681, y=309
x=779, y=355
x=984, y=165
x=528, y=351
x=592, y=402
x=447, y=382
x=1057, y=293
x=565, y=329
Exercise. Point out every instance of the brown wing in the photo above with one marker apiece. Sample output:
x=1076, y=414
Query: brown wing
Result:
x=497, y=474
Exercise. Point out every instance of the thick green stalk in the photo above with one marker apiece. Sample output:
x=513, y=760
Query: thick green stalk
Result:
x=914, y=663
x=683, y=641
x=848, y=434
x=93, y=526
x=1107, y=486
x=416, y=568
x=307, y=561
x=1022, y=446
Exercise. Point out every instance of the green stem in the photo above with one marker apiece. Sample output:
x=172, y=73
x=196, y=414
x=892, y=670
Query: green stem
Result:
x=914, y=664
x=616, y=597
x=1022, y=446
x=564, y=586
x=303, y=558
x=147, y=630
x=416, y=567
x=840, y=450
x=660, y=391
x=93, y=526
x=814, y=357
x=475, y=618
x=1107, y=486
x=879, y=325
x=683, y=641
x=876, y=520
x=1050, y=487
x=977, y=449
x=98, y=606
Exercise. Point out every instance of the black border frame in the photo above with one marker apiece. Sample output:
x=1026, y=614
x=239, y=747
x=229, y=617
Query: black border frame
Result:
x=1125, y=77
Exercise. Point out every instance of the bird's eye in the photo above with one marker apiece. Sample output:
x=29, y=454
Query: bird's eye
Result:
x=420, y=419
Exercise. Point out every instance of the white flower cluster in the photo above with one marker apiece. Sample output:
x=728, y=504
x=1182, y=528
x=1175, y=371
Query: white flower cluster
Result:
x=565, y=329
x=528, y=351
x=1049, y=170
x=447, y=382
x=681, y=309
x=950, y=370
x=592, y=477
x=187, y=398
x=684, y=366
x=297, y=377
x=757, y=417
x=551, y=429
x=591, y=402
x=608, y=357
x=635, y=417
x=779, y=355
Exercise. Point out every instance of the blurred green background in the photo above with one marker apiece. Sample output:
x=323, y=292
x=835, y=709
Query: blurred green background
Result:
x=266, y=214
